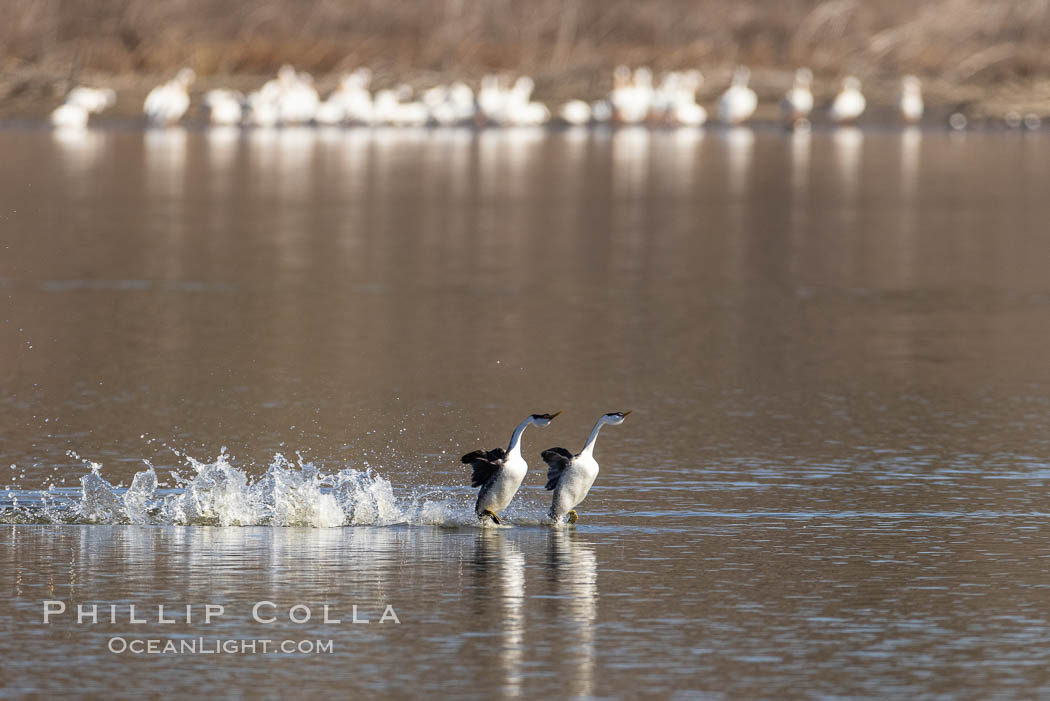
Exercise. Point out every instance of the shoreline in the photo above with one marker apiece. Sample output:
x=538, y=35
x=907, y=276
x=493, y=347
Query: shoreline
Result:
x=34, y=94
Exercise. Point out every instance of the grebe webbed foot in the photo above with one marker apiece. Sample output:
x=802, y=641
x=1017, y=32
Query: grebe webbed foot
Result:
x=573, y=516
x=495, y=519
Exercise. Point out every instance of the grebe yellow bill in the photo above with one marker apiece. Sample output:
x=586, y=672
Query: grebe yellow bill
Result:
x=571, y=476
x=499, y=472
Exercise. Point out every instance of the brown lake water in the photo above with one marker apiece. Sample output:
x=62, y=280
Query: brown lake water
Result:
x=833, y=484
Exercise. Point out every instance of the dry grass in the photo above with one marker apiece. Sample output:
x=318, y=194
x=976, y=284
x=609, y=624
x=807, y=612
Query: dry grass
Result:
x=572, y=44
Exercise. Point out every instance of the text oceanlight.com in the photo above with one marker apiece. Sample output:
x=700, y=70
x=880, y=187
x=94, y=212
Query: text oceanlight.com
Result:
x=217, y=646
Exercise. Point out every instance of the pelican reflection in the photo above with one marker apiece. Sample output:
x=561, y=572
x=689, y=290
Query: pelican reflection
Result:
x=740, y=144
x=80, y=151
x=848, y=143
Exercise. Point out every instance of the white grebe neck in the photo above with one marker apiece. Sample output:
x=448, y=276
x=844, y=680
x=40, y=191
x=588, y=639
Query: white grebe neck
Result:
x=588, y=449
x=515, y=438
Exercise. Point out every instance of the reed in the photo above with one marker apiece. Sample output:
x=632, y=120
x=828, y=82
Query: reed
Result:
x=967, y=39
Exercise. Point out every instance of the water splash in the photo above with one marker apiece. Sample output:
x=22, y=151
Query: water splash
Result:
x=221, y=494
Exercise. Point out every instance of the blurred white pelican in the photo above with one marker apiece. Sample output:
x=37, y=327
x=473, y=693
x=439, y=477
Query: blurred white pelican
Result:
x=510, y=106
x=225, y=107
x=298, y=101
x=632, y=95
x=910, y=101
x=395, y=108
x=798, y=102
x=520, y=110
x=349, y=102
x=601, y=111
x=450, y=105
x=738, y=102
x=67, y=116
x=262, y=109
x=94, y=100
x=684, y=110
x=330, y=112
x=665, y=93
x=529, y=114
x=575, y=112
x=521, y=91
x=271, y=90
x=433, y=98
x=355, y=95
x=849, y=104
x=384, y=104
x=333, y=109
x=461, y=98
x=81, y=102
x=492, y=98
x=165, y=104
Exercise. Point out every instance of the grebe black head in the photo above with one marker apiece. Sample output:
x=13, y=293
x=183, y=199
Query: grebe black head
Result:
x=544, y=419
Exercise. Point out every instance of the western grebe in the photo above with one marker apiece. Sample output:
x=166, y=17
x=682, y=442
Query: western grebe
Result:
x=499, y=472
x=571, y=476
